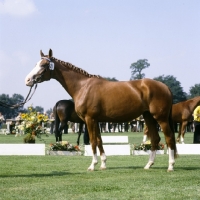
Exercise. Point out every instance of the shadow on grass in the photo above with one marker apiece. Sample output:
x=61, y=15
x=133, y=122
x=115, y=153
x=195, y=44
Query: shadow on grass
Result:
x=153, y=167
x=54, y=173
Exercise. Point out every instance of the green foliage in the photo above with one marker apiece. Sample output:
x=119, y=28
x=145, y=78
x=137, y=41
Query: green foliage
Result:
x=32, y=124
x=147, y=146
x=38, y=109
x=14, y=99
x=175, y=87
x=64, y=146
x=137, y=67
x=110, y=79
x=49, y=111
x=29, y=138
x=194, y=91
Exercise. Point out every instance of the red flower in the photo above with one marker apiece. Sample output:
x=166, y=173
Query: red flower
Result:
x=77, y=147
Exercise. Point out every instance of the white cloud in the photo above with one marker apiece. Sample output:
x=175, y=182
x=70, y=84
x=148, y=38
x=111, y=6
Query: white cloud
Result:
x=17, y=7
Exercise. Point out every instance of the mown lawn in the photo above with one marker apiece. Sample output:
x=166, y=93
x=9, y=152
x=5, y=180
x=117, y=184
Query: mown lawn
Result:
x=66, y=177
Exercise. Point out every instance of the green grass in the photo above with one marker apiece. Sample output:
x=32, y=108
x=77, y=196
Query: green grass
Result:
x=66, y=177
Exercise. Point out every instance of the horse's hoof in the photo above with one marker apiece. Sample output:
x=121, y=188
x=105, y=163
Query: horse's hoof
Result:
x=102, y=168
x=148, y=165
x=170, y=170
x=90, y=170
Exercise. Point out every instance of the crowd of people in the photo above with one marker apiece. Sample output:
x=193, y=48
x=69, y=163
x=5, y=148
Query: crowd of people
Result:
x=136, y=125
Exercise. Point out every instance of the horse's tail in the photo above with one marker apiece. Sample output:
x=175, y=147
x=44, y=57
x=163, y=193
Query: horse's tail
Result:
x=57, y=120
x=171, y=124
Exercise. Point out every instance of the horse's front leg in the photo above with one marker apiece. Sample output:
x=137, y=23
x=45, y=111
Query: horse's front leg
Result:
x=154, y=142
x=151, y=131
x=95, y=139
x=151, y=159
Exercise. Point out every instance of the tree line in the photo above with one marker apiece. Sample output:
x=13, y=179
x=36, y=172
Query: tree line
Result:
x=171, y=81
x=136, y=73
x=9, y=113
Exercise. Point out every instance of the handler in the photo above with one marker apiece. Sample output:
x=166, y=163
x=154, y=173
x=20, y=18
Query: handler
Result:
x=196, y=139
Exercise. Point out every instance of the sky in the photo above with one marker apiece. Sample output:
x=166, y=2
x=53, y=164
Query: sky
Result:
x=103, y=37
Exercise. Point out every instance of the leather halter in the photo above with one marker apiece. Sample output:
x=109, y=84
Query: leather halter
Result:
x=22, y=103
x=50, y=68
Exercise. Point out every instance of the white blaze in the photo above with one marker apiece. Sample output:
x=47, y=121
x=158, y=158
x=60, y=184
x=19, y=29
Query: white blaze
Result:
x=34, y=71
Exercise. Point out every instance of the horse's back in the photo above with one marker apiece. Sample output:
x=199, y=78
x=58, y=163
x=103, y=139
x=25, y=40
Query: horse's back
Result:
x=125, y=100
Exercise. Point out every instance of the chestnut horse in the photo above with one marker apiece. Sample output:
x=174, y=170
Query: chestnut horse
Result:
x=95, y=101
x=64, y=111
x=182, y=113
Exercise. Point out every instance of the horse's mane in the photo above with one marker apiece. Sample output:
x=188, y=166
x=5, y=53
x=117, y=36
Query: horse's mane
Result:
x=76, y=69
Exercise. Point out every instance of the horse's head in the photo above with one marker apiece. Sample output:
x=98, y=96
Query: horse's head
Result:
x=42, y=71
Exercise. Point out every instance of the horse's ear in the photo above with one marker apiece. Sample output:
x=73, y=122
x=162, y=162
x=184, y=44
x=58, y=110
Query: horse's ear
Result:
x=50, y=53
x=41, y=53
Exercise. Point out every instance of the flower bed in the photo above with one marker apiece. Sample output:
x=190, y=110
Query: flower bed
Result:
x=145, y=148
x=64, y=148
x=64, y=153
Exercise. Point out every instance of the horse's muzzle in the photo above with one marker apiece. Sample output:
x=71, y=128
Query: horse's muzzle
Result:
x=29, y=82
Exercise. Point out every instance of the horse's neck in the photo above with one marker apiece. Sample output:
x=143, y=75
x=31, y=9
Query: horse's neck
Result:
x=69, y=79
x=195, y=102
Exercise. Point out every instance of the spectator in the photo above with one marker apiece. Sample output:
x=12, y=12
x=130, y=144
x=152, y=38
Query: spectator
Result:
x=52, y=119
x=18, y=122
x=109, y=126
x=44, y=123
x=196, y=139
x=1, y=120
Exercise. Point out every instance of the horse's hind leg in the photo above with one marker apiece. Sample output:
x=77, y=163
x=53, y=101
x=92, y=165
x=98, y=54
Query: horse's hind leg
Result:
x=179, y=133
x=171, y=143
x=60, y=129
x=152, y=133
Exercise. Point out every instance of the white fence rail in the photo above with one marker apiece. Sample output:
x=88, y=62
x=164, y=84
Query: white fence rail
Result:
x=113, y=145
x=22, y=149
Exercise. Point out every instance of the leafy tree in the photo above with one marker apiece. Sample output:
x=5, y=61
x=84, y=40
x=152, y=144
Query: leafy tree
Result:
x=38, y=109
x=49, y=111
x=15, y=99
x=137, y=67
x=175, y=87
x=194, y=91
x=110, y=79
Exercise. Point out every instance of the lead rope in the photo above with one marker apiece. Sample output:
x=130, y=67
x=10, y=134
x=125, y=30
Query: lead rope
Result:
x=22, y=103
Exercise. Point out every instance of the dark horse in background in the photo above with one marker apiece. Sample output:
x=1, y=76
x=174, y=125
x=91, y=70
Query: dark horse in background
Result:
x=95, y=101
x=64, y=111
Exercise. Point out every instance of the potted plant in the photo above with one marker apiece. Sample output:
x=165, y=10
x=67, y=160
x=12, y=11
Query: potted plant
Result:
x=29, y=138
x=31, y=125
